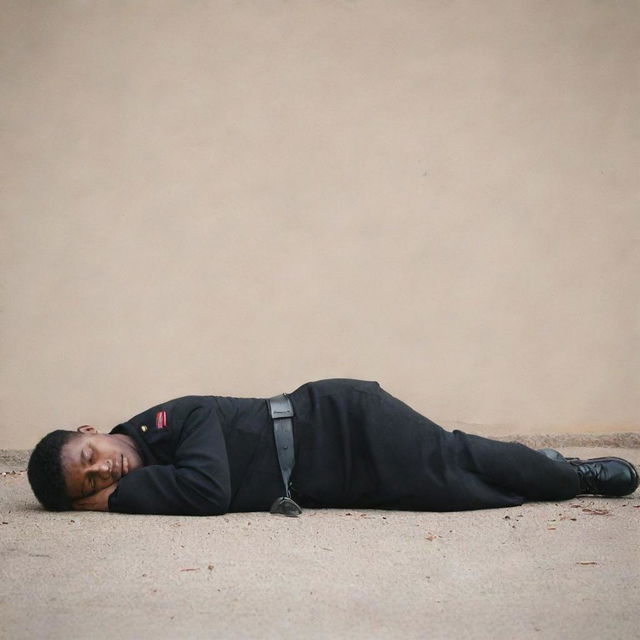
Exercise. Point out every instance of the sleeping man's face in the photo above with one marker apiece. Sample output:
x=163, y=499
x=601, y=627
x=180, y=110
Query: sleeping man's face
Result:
x=92, y=461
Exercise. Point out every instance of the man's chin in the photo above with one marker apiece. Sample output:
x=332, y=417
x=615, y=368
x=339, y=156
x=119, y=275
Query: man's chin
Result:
x=130, y=463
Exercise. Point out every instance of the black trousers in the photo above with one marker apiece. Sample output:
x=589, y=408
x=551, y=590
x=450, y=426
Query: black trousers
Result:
x=359, y=446
x=493, y=473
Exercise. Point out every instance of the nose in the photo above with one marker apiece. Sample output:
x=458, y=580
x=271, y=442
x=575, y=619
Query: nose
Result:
x=103, y=468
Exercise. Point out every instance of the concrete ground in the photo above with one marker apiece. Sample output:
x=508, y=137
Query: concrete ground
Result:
x=544, y=570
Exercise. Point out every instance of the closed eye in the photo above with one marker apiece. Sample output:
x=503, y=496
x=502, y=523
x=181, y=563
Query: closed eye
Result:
x=87, y=454
x=92, y=485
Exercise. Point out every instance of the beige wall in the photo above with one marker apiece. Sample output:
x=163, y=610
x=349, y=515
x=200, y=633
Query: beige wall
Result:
x=235, y=197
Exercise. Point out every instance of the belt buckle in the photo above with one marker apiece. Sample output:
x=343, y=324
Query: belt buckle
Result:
x=286, y=507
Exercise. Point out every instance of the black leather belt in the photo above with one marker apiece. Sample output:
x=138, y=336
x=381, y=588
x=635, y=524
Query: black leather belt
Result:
x=282, y=413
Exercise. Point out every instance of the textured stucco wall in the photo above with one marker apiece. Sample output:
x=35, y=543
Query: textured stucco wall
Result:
x=236, y=197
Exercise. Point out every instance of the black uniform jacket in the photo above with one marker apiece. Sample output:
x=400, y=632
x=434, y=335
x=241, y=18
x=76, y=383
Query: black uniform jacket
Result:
x=203, y=455
x=355, y=446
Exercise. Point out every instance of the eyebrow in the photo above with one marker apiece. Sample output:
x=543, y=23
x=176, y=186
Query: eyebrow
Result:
x=83, y=494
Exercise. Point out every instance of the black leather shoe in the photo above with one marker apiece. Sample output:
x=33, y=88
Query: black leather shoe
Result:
x=606, y=476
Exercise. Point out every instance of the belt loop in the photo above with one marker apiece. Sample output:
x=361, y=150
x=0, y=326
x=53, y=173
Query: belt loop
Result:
x=281, y=411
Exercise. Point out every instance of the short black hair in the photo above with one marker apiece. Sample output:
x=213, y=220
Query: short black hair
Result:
x=45, y=471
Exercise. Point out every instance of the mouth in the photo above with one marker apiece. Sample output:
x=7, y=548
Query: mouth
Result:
x=117, y=470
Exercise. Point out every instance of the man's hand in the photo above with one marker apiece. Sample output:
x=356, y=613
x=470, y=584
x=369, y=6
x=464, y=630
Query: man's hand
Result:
x=98, y=501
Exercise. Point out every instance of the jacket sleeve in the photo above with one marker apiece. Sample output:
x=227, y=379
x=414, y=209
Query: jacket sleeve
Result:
x=197, y=483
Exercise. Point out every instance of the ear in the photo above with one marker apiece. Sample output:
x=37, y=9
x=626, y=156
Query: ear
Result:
x=87, y=429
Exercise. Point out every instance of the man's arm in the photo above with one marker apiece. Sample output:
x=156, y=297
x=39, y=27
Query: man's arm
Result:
x=196, y=483
x=98, y=501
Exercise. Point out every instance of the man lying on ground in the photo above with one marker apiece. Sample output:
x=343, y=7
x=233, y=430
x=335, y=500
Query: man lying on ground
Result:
x=331, y=443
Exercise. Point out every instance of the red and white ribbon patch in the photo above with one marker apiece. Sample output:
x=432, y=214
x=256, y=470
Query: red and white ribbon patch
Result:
x=161, y=419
